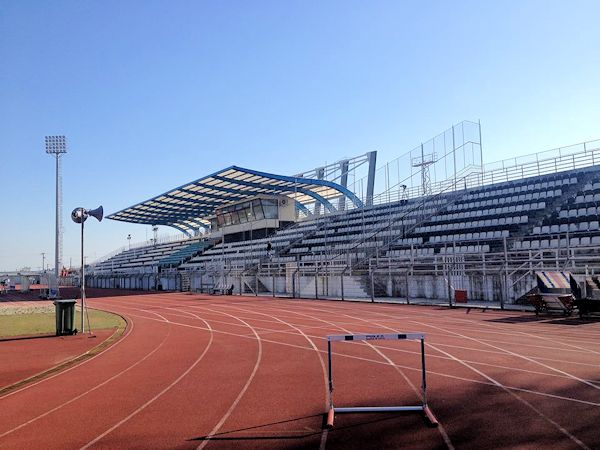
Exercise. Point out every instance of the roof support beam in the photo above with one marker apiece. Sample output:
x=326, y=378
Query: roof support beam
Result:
x=371, y=178
x=152, y=218
x=202, y=194
x=172, y=210
x=302, y=208
x=343, y=190
x=344, y=165
x=196, y=224
x=180, y=228
x=187, y=205
x=231, y=191
x=187, y=191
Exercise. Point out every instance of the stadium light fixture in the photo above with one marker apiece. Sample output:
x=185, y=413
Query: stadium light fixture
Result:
x=129, y=241
x=80, y=215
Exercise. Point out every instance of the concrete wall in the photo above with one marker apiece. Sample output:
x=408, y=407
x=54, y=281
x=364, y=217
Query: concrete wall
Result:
x=429, y=287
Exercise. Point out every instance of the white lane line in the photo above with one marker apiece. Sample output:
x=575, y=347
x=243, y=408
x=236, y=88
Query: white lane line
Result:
x=29, y=386
x=511, y=329
x=449, y=320
x=522, y=400
x=157, y=396
x=440, y=427
x=500, y=385
x=325, y=431
x=526, y=358
x=98, y=386
x=242, y=392
x=543, y=394
x=501, y=350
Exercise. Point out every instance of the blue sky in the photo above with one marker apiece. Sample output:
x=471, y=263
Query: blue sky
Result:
x=152, y=94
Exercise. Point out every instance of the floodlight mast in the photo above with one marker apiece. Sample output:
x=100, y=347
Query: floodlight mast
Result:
x=423, y=162
x=57, y=146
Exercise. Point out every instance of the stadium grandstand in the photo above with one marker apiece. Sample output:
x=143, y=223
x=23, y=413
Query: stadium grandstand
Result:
x=432, y=224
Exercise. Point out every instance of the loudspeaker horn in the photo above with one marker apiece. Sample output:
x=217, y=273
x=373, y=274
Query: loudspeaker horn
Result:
x=98, y=213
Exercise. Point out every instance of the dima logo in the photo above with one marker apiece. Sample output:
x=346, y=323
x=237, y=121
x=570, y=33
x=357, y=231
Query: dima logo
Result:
x=374, y=337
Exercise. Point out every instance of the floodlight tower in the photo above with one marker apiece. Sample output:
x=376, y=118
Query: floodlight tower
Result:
x=423, y=162
x=57, y=146
x=155, y=230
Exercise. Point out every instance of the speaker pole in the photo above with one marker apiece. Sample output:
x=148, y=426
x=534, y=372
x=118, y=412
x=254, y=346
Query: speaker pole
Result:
x=79, y=215
x=82, y=283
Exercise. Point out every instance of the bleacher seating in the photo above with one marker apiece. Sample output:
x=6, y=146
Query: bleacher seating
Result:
x=534, y=213
x=148, y=258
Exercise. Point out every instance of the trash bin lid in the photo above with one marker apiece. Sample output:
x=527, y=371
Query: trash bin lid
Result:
x=66, y=301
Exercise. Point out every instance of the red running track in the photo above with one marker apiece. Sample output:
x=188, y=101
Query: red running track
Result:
x=195, y=371
x=29, y=356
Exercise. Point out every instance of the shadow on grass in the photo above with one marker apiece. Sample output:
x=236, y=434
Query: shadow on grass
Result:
x=21, y=298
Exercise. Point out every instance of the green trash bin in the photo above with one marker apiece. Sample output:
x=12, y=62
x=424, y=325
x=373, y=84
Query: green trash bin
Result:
x=65, y=317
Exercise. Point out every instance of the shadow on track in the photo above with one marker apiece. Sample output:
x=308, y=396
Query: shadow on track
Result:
x=25, y=338
x=547, y=319
x=283, y=435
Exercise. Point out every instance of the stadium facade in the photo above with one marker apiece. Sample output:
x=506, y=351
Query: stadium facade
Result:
x=432, y=224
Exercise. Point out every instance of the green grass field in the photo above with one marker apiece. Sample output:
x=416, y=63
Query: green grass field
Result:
x=45, y=323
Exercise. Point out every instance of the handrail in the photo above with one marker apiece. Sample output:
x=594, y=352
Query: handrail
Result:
x=388, y=225
x=577, y=156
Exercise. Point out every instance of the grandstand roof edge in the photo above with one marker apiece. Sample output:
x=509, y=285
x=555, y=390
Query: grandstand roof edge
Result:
x=306, y=184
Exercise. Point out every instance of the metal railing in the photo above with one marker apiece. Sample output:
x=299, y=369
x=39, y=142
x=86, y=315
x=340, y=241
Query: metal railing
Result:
x=573, y=157
x=501, y=276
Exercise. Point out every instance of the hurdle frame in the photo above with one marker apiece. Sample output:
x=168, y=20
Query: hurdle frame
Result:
x=376, y=409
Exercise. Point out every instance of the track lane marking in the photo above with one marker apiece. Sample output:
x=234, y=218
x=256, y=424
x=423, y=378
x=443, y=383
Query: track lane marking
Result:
x=242, y=392
x=98, y=386
x=476, y=381
x=517, y=355
x=522, y=400
x=440, y=427
x=157, y=396
x=500, y=385
x=325, y=431
x=130, y=329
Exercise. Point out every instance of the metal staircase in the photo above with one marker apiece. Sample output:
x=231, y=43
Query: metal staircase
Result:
x=430, y=206
x=185, y=282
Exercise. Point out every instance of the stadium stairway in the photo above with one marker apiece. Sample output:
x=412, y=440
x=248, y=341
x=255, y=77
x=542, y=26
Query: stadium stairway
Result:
x=184, y=254
x=462, y=225
x=373, y=287
x=185, y=282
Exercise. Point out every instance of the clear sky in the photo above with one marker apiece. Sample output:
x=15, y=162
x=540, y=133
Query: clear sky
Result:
x=152, y=94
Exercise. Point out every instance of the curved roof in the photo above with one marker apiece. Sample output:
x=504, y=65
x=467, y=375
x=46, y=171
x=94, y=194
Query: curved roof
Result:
x=187, y=207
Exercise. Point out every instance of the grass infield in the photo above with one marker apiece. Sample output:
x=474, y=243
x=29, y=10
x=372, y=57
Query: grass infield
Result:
x=45, y=322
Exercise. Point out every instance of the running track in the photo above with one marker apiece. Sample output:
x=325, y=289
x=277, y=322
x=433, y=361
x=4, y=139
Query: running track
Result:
x=195, y=371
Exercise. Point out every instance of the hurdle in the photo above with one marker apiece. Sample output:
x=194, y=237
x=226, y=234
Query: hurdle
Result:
x=376, y=409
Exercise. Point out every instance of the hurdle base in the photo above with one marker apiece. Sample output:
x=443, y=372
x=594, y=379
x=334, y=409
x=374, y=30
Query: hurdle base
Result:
x=330, y=417
x=432, y=419
x=377, y=409
x=380, y=409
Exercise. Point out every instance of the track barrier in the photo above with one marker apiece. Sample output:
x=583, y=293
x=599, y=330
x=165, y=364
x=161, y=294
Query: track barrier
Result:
x=375, y=409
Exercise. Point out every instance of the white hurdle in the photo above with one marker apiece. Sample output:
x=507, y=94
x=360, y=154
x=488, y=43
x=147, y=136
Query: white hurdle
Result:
x=374, y=409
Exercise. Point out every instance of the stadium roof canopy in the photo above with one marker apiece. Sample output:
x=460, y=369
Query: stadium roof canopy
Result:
x=188, y=206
